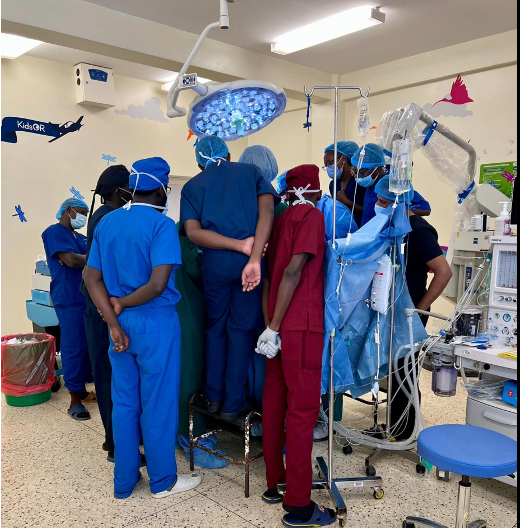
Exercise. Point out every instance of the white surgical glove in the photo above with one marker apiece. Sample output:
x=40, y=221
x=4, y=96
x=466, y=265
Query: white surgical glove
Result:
x=270, y=350
x=268, y=336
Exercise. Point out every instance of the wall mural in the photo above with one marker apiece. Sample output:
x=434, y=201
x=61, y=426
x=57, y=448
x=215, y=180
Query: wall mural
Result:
x=19, y=213
x=108, y=158
x=151, y=109
x=12, y=125
x=454, y=104
x=76, y=194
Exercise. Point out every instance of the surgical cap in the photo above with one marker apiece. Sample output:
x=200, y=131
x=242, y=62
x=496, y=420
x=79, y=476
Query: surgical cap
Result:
x=383, y=189
x=70, y=202
x=302, y=176
x=374, y=157
x=262, y=158
x=347, y=148
x=140, y=179
x=210, y=149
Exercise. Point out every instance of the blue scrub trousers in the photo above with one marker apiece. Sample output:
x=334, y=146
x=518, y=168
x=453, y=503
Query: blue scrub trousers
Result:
x=77, y=369
x=233, y=320
x=145, y=395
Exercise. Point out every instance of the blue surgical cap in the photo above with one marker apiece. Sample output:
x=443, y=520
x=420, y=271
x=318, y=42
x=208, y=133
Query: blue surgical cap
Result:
x=383, y=189
x=209, y=149
x=263, y=158
x=142, y=170
x=70, y=202
x=347, y=148
x=374, y=157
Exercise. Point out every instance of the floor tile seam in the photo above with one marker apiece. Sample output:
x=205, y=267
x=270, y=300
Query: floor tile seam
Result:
x=231, y=511
x=158, y=511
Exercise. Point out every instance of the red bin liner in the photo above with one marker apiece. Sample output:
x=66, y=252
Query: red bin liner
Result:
x=28, y=368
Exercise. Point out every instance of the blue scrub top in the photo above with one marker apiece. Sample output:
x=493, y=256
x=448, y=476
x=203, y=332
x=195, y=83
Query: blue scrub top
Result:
x=224, y=199
x=65, y=281
x=128, y=244
x=418, y=202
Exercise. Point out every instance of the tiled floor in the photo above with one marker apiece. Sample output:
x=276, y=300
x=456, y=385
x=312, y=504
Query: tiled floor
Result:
x=54, y=473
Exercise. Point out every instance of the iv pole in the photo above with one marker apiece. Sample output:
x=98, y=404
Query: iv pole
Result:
x=326, y=478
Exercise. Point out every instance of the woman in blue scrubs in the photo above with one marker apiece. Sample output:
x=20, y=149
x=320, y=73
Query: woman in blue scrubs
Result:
x=346, y=192
x=65, y=250
x=228, y=211
x=130, y=277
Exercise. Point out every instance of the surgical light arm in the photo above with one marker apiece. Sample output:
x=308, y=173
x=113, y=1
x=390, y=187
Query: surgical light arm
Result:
x=173, y=95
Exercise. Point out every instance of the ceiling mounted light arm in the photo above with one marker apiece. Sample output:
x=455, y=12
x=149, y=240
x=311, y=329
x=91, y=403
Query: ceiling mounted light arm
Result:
x=173, y=95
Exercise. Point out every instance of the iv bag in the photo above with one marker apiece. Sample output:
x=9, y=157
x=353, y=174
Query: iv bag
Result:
x=364, y=117
x=381, y=285
x=401, y=167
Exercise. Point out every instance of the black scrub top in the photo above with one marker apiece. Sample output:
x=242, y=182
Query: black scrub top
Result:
x=422, y=246
x=94, y=221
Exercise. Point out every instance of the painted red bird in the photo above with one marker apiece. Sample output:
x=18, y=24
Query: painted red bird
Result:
x=459, y=93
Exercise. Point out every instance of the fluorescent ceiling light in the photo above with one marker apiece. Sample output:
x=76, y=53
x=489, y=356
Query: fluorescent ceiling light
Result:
x=328, y=29
x=13, y=46
x=166, y=86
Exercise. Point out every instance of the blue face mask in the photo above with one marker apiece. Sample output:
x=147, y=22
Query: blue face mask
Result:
x=330, y=172
x=367, y=181
x=379, y=210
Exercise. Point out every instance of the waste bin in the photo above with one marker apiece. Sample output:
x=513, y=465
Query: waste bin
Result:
x=27, y=368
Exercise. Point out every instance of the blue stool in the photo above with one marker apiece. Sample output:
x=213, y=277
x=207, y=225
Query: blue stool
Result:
x=470, y=452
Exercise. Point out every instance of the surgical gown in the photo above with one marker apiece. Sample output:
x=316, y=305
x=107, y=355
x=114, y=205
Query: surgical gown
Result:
x=224, y=199
x=69, y=304
x=127, y=245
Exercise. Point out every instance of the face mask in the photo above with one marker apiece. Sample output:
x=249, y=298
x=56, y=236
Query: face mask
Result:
x=78, y=222
x=330, y=172
x=367, y=181
x=300, y=194
x=378, y=209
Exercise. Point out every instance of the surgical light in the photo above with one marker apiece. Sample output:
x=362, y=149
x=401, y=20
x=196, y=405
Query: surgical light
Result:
x=328, y=29
x=231, y=110
x=13, y=46
x=236, y=109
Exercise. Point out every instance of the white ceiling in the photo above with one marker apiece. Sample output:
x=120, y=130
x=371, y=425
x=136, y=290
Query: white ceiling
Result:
x=412, y=26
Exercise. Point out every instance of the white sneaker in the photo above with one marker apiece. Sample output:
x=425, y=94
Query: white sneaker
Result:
x=184, y=483
x=321, y=432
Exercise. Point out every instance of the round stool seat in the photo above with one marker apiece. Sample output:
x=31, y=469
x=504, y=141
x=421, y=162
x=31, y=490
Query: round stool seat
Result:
x=469, y=451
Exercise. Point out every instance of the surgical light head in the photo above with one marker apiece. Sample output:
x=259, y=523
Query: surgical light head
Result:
x=263, y=158
x=383, y=190
x=211, y=149
x=236, y=109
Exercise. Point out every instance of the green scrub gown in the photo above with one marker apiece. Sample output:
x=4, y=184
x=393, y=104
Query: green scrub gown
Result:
x=193, y=320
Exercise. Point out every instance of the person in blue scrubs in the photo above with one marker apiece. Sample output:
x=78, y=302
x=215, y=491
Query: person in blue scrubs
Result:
x=227, y=211
x=346, y=191
x=130, y=277
x=65, y=250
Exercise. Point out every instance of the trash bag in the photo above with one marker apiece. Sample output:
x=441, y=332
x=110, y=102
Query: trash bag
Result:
x=27, y=363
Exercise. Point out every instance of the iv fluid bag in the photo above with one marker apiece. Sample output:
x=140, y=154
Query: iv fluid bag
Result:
x=401, y=167
x=364, y=117
x=381, y=286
